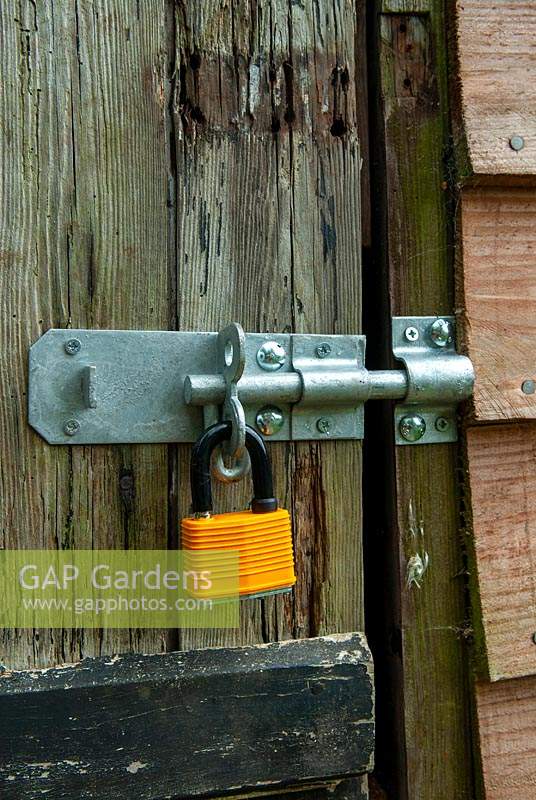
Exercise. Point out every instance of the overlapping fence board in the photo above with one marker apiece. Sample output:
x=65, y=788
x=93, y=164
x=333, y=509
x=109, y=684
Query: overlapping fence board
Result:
x=497, y=281
x=502, y=473
x=495, y=90
x=497, y=62
x=506, y=713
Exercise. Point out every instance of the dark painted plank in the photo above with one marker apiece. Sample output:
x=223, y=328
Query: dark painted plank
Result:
x=198, y=723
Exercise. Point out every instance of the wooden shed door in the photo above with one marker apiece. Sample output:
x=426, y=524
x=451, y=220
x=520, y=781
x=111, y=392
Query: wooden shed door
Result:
x=177, y=166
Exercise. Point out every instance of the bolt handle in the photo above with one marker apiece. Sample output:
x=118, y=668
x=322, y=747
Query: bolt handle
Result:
x=263, y=500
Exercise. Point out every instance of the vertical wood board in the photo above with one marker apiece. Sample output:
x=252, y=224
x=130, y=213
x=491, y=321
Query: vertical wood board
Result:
x=497, y=297
x=496, y=82
x=501, y=469
x=83, y=243
x=266, y=124
x=424, y=644
x=507, y=725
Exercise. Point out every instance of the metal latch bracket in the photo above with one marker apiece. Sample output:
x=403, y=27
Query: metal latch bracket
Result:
x=438, y=379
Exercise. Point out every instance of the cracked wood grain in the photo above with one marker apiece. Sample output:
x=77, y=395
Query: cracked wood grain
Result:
x=268, y=210
x=83, y=243
x=179, y=166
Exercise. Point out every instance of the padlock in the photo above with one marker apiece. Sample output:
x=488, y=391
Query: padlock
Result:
x=261, y=535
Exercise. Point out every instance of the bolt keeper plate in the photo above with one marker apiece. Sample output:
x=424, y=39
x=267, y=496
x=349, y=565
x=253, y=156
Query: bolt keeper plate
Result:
x=438, y=379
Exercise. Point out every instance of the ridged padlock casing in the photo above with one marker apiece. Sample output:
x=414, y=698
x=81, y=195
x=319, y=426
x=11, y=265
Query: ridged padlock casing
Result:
x=263, y=543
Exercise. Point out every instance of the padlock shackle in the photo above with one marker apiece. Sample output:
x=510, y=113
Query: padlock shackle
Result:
x=200, y=477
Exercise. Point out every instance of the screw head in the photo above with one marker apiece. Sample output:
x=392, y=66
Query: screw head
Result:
x=269, y=420
x=441, y=424
x=411, y=334
x=71, y=427
x=528, y=387
x=517, y=142
x=271, y=356
x=323, y=350
x=72, y=346
x=323, y=425
x=534, y=637
x=412, y=428
x=441, y=333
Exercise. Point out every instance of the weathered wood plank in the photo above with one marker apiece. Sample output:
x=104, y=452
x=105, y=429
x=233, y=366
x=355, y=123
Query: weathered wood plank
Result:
x=502, y=531
x=497, y=298
x=84, y=238
x=417, y=626
x=496, y=81
x=507, y=724
x=190, y=724
x=266, y=135
x=265, y=118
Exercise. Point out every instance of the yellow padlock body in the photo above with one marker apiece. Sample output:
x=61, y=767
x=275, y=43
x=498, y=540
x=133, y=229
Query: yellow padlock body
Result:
x=263, y=543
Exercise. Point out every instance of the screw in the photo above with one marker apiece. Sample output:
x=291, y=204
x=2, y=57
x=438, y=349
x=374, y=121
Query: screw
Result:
x=271, y=356
x=412, y=428
x=517, y=142
x=441, y=332
x=323, y=425
x=528, y=387
x=72, y=346
x=323, y=350
x=441, y=424
x=411, y=334
x=71, y=427
x=269, y=420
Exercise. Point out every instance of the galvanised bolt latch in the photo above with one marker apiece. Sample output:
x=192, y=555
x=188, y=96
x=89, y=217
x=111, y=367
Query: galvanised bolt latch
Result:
x=113, y=387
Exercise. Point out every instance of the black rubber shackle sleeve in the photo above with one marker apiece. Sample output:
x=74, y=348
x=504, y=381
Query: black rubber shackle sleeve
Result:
x=261, y=470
